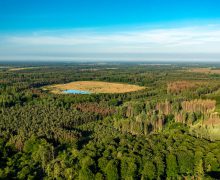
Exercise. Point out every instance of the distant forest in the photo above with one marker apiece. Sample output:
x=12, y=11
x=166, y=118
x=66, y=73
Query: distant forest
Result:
x=169, y=130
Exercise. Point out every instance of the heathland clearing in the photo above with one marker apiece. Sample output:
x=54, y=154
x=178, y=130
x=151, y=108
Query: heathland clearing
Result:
x=94, y=87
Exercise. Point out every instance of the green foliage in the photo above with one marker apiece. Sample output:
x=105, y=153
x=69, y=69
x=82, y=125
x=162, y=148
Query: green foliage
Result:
x=128, y=168
x=172, y=167
x=111, y=170
x=138, y=135
x=86, y=174
x=149, y=171
x=185, y=162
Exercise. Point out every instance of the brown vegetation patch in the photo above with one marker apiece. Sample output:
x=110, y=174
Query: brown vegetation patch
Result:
x=212, y=122
x=180, y=86
x=94, y=87
x=205, y=70
x=95, y=108
x=164, y=108
x=199, y=105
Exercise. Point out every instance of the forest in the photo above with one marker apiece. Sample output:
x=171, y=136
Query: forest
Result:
x=170, y=129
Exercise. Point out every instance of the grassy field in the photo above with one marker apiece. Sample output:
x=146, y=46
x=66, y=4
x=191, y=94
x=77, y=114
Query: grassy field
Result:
x=94, y=87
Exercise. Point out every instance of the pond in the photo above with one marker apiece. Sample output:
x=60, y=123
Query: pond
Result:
x=73, y=91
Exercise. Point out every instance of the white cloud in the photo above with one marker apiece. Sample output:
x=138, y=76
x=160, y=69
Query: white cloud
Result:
x=205, y=39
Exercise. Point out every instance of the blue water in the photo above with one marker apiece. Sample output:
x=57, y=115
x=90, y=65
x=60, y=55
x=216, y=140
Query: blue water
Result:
x=73, y=91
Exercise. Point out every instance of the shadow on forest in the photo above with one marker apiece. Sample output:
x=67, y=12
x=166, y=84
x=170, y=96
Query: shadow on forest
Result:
x=86, y=137
x=214, y=174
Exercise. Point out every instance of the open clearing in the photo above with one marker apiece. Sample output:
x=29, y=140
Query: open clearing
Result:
x=94, y=87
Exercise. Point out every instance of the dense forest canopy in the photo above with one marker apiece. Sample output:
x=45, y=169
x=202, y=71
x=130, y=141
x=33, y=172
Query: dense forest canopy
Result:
x=168, y=130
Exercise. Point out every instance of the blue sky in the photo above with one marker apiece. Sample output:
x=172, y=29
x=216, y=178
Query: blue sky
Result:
x=109, y=29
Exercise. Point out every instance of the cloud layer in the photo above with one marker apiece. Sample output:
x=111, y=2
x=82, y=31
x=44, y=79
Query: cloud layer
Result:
x=69, y=44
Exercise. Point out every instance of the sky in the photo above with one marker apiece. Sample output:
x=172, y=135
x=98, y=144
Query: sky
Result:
x=134, y=30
